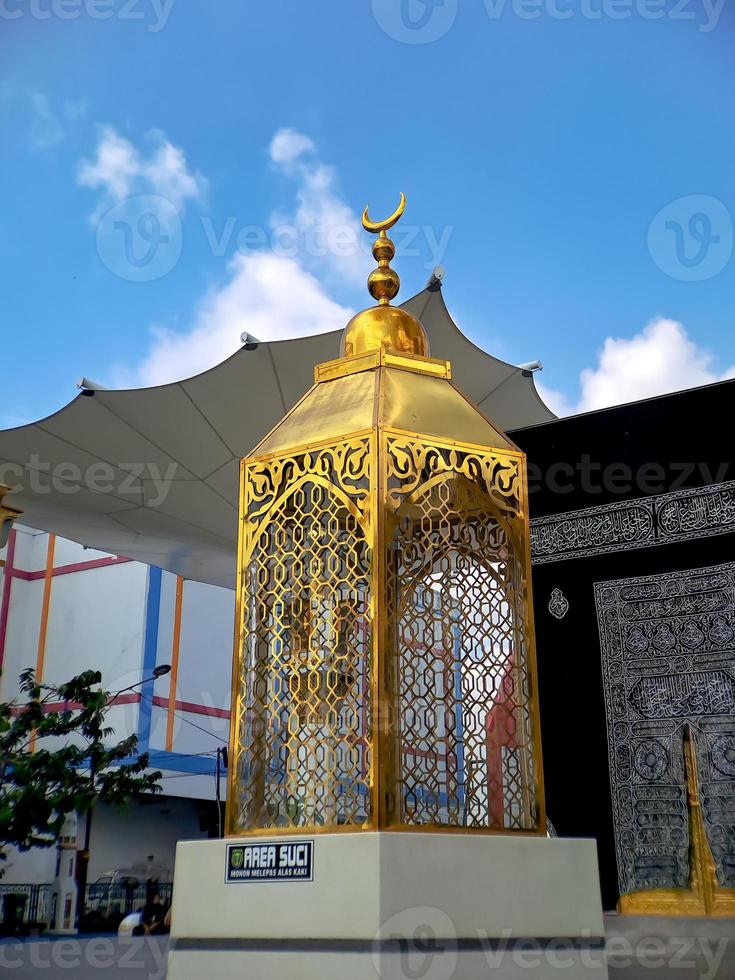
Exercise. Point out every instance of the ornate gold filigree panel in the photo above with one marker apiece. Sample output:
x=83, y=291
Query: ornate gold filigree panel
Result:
x=412, y=462
x=458, y=617
x=301, y=726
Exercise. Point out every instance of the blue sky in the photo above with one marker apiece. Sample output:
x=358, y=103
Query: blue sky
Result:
x=569, y=162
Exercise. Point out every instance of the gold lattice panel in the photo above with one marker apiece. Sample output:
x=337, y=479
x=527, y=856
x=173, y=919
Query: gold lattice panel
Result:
x=384, y=651
x=302, y=730
x=458, y=670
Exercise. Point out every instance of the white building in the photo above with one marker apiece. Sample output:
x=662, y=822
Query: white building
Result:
x=65, y=609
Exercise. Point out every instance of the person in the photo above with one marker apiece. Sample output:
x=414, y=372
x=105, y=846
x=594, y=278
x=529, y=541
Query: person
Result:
x=154, y=912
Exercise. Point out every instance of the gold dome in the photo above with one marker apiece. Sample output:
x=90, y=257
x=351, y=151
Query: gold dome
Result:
x=389, y=327
x=384, y=326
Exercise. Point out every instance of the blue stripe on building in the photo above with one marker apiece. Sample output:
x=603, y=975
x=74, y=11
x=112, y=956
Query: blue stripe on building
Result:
x=150, y=651
x=180, y=762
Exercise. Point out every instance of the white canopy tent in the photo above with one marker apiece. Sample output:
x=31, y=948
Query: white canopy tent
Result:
x=151, y=473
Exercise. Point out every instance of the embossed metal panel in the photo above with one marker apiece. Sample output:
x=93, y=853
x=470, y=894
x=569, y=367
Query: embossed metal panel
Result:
x=668, y=658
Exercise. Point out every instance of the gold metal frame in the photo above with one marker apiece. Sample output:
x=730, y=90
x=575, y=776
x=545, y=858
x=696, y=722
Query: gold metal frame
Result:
x=377, y=501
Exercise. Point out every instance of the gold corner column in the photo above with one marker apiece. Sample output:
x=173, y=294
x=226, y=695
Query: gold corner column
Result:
x=384, y=669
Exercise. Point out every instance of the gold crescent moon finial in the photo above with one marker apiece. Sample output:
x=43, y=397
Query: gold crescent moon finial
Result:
x=377, y=226
x=384, y=327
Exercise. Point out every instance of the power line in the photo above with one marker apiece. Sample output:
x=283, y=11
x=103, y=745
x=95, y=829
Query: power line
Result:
x=185, y=720
x=189, y=775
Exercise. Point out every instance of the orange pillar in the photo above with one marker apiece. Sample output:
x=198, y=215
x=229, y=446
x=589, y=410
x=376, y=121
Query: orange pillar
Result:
x=45, y=606
x=43, y=629
x=173, y=680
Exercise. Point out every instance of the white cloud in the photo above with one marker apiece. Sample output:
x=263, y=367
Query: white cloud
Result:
x=328, y=231
x=120, y=169
x=115, y=167
x=557, y=400
x=287, y=145
x=46, y=129
x=169, y=176
x=269, y=296
x=49, y=127
x=659, y=359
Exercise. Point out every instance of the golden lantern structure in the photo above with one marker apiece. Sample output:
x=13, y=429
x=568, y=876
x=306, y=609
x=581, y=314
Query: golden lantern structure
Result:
x=384, y=672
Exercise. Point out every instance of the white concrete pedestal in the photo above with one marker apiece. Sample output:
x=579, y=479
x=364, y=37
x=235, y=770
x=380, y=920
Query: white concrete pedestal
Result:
x=392, y=906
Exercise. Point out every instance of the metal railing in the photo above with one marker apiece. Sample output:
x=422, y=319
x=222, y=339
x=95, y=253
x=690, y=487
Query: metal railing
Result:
x=106, y=905
x=24, y=906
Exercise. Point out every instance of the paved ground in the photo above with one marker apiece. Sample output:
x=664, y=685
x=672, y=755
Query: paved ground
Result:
x=641, y=947
x=638, y=949
x=91, y=958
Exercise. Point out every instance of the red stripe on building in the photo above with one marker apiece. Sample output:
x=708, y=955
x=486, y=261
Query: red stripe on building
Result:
x=79, y=566
x=195, y=709
x=132, y=698
x=83, y=566
x=75, y=706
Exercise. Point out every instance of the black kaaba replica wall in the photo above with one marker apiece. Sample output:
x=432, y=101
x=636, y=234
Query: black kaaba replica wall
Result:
x=633, y=537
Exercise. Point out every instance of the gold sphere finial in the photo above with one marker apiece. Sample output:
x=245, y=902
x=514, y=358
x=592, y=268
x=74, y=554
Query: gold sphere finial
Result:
x=384, y=325
x=383, y=282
